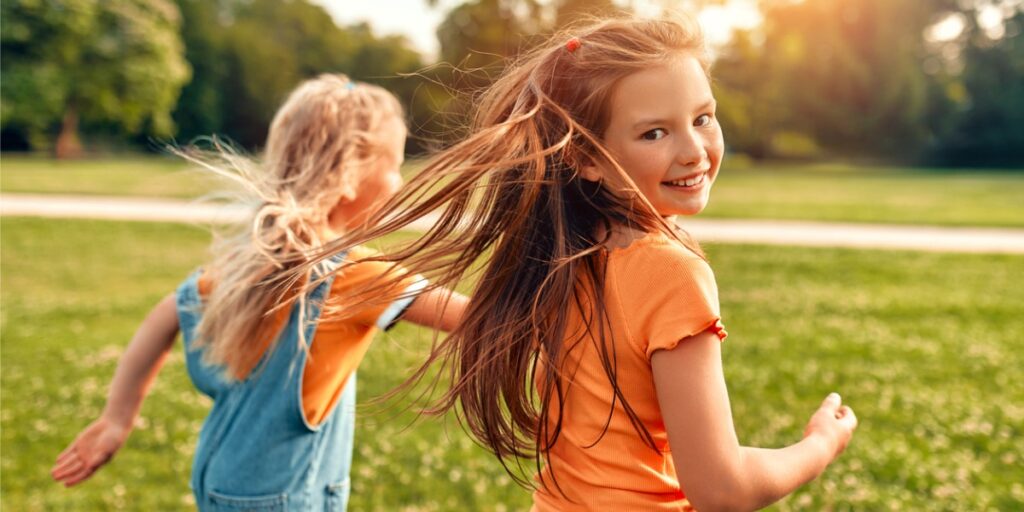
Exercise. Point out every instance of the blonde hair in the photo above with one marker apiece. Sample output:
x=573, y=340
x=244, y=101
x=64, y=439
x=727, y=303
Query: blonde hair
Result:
x=318, y=145
x=511, y=194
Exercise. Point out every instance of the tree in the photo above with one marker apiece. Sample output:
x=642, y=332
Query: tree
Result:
x=986, y=121
x=749, y=100
x=118, y=61
x=200, y=108
x=853, y=72
x=392, y=64
x=481, y=35
x=849, y=75
x=270, y=47
x=479, y=38
x=248, y=55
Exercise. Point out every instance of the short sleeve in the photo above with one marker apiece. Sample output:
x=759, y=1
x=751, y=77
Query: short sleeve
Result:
x=668, y=293
x=385, y=309
x=390, y=316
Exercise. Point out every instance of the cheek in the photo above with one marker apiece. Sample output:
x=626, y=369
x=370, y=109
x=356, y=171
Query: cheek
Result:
x=392, y=178
x=716, y=147
x=394, y=184
x=647, y=164
x=383, y=187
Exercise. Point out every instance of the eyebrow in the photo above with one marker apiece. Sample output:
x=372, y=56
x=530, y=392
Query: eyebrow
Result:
x=709, y=103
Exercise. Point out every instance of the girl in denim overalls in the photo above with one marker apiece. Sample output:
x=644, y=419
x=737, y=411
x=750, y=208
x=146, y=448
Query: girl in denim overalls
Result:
x=280, y=367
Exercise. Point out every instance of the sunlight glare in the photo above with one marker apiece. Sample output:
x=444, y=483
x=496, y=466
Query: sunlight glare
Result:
x=946, y=30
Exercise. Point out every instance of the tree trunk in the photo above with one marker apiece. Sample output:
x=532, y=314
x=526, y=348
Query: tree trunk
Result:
x=68, y=145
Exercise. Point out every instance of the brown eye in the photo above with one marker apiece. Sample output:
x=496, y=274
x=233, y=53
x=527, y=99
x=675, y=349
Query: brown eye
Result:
x=654, y=134
x=703, y=120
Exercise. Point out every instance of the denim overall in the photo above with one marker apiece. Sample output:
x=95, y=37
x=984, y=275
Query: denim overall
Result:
x=256, y=451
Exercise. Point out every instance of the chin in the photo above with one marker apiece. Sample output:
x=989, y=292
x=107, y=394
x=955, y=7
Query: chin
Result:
x=688, y=210
x=686, y=206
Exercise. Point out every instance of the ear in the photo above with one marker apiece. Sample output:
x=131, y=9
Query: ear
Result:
x=590, y=172
x=347, y=195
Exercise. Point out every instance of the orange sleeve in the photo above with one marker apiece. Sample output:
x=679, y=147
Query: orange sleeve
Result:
x=668, y=293
x=204, y=284
x=368, y=273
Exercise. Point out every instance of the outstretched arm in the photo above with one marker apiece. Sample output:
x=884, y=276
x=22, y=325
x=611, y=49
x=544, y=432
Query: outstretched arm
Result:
x=715, y=472
x=439, y=309
x=136, y=372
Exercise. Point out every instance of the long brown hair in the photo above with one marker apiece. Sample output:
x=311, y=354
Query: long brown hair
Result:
x=516, y=214
x=319, y=142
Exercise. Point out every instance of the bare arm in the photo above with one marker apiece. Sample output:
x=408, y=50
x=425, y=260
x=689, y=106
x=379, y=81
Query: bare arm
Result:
x=439, y=309
x=136, y=372
x=716, y=473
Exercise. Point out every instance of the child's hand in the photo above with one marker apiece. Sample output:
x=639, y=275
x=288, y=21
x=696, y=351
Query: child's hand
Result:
x=93, y=448
x=833, y=423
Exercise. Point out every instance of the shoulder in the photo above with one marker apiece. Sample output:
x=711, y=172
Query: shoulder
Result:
x=667, y=292
x=361, y=270
x=657, y=271
x=359, y=264
x=656, y=256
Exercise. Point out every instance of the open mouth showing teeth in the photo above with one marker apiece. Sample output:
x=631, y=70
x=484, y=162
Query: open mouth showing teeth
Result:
x=689, y=182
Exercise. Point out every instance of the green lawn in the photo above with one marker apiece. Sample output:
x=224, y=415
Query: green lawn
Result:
x=926, y=347
x=883, y=195
x=167, y=177
x=831, y=192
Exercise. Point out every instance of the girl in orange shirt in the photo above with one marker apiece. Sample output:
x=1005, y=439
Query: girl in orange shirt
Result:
x=580, y=156
x=277, y=438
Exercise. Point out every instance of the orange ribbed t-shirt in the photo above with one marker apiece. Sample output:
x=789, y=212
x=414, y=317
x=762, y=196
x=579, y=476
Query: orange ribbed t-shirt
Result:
x=657, y=293
x=340, y=342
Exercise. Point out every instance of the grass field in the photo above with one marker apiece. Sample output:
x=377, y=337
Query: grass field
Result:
x=128, y=176
x=882, y=195
x=926, y=347
x=810, y=192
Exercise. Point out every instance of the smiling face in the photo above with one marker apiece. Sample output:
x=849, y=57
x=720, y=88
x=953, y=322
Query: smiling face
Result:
x=662, y=130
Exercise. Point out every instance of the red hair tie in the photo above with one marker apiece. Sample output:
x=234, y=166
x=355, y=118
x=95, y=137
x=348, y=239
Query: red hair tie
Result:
x=573, y=44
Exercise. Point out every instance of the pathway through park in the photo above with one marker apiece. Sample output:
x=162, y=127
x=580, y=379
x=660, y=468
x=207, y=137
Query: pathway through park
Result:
x=802, y=233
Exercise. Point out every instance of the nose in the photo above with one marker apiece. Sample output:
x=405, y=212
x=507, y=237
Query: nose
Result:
x=692, y=149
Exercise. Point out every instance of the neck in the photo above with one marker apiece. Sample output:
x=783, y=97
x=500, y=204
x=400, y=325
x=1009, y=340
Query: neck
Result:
x=620, y=236
x=342, y=219
x=334, y=227
x=623, y=236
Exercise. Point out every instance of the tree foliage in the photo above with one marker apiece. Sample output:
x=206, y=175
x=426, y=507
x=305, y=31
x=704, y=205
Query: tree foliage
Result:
x=819, y=77
x=114, y=61
x=860, y=79
x=985, y=121
x=479, y=38
x=250, y=54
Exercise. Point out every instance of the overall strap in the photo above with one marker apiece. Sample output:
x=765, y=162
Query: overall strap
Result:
x=287, y=348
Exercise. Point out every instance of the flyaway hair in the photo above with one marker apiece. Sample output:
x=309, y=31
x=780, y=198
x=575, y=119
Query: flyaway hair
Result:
x=518, y=218
x=319, y=141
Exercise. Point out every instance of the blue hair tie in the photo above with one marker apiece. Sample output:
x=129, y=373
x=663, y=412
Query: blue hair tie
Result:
x=350, y=85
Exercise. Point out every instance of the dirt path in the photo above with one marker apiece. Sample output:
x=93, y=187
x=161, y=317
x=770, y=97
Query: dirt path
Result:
x=802, y=233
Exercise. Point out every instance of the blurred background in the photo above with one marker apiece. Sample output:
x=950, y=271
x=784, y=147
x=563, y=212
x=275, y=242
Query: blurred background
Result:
x=875, y=114
x=935, y=82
